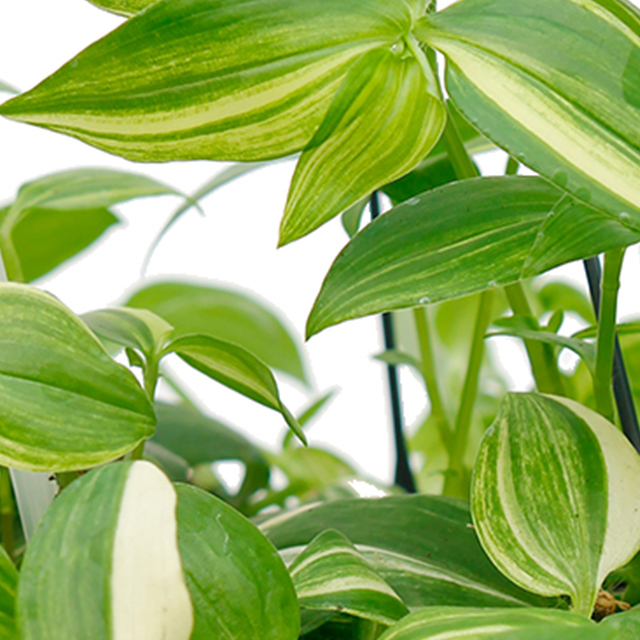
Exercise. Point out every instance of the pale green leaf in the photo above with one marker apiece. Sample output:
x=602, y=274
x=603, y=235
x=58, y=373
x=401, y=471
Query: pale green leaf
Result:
x=225, y=315
x=7, y=88
x=555, y=83
x=447, y=566
x=331, y=575
x=553, y=497
x=383, y=121
x=104, y=563
x=134, y=328
x=123, y=7
x=394, y=358
x=626, y=625
x=236, y=368
x=459, y=239
x=310, y=468
x=309, y=413
x=64, y=403
x=8, y=586
x=243, y=80
x=239, y=586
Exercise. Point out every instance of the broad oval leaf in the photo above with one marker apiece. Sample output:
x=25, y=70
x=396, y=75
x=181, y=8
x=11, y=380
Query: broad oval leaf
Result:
x=384, y=119
x=104, y=563
x=331, y=575
x=236, y=368
x=239, y=585
x=445, y=567
x=8, y=586
x=64, y=403
x=553, y=497
x=460, y=239
x=225, y=315
x=123, y=7
x=554, y=82
x=458, y=623
x=147, y=92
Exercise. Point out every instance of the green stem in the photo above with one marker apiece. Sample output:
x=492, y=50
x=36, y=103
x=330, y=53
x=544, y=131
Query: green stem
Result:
x=512, y=167
x=453, y=479
x=429, y=374
x=11, y=262
x=606, y=333
x=151, y=371
x=460, y=159
x=7, y=512
x=541, y=356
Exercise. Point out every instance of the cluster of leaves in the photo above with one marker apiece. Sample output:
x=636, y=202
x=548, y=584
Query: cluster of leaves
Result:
x=130, y=551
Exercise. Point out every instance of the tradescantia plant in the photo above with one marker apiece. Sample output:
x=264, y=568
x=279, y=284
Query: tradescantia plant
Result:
x=140, y=549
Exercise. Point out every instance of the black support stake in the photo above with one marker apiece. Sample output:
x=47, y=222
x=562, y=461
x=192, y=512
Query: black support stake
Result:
x=621, y=387
x=403, y=476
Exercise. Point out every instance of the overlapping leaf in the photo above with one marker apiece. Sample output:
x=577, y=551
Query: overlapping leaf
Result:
x=554, y=82
x=64, y=403
x=8, y=586
x=460, y=239
x=553, y=497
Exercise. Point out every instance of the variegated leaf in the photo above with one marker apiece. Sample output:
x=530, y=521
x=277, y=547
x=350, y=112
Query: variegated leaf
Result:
x=555, y=82
x=554, y=497
x=123, y=7
x=331, y=575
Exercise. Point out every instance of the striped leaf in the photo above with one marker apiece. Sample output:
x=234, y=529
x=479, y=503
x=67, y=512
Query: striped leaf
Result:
x=460, y=239
x=8, y=586
x=554, y=497
x=239, y=585
x=104, y=563
x=555, y=82
x=64, y=403
x=331, y=575
x=444, y=567
x=237, y=369
x=383, y=121
x=185, y=79
x=123, y=7
x=452, y=623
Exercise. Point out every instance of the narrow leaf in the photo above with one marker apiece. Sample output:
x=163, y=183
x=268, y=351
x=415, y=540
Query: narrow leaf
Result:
x=555, y=83
x=8, y=586
x=460, y=239
x=330, y=574
x=148, y=93
x=236, y=368
x=64, y=403
x=104, y=563
x=239, y=585
x=7, y=88
x=383, y=121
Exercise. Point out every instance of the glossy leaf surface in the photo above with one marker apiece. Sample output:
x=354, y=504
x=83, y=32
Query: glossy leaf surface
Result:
x=459, y=239
x=556, y=84
x=185, y=79
x=330, y=574
x=553, y=497
x=64, y=403
x=236, y=368
x=383, y=121
x=239, y=586
x=225, y=315
x=8, y=586
x=447, y=566
x=104, y=563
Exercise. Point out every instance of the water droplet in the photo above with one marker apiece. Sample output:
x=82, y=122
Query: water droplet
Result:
x=412, y=202
x=398, y=48
x=424, y=300
x=624, y=217
x=492, y=283
x=560, y=178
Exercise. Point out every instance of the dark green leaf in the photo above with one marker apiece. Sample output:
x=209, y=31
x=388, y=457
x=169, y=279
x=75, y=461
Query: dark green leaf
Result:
x=8, y=586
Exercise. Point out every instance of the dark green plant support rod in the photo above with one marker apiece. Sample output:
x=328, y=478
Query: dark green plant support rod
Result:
x=621, y=387
x=403, y=476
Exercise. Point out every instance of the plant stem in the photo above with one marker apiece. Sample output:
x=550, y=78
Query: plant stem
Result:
x=606, y=333
x=429, y=374
x=151, y=371
x=7, y=512
x=469, y=393
x=512, y=167
x=460, y=159
x=541, y=357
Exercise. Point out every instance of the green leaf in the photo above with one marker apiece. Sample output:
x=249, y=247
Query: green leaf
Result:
x=331, y=575
x=625, y=626
x=384, y=119
x=104, y=563
x=64, y=403
x=236, y=368
x=7, y=88
x=45, y=238
x=123, y=7
x=343, y=627
x=134, y=328
x=555, y=83
x=455, y=623
x=148, y=93
x=225, y=315
x=459, y=239
x=309, y=413
x=8, y=586
x=447, y=566
x=395, y=358
x=311, y=468
x=239, y=586
x=553, y=497
x=352, y=217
